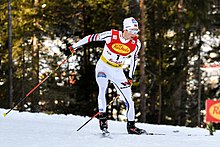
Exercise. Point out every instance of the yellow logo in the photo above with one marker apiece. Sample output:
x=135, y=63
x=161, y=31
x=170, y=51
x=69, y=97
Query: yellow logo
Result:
x=121, y=48
x=214, y=111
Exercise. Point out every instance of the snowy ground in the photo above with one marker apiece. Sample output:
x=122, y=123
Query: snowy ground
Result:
x=41, y=130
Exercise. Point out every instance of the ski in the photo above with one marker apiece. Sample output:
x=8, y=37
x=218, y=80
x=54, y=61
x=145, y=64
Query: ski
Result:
x=144, y=132
x=147, y=133
x=199, y=135
x=177, y=133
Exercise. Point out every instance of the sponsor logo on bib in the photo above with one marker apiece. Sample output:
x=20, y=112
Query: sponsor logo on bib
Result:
x=121, y=48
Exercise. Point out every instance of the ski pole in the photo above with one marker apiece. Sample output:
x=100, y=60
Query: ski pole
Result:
x=97, y=113
x=32, y=90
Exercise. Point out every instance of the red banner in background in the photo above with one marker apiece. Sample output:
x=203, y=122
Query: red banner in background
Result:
x=213, y=111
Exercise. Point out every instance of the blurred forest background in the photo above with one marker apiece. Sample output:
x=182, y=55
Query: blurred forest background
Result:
x=178, y=68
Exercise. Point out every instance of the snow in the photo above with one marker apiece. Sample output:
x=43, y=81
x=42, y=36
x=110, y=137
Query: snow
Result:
x=24, y=129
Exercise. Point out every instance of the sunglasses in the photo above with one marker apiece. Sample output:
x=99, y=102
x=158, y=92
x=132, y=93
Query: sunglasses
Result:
x=133, y=31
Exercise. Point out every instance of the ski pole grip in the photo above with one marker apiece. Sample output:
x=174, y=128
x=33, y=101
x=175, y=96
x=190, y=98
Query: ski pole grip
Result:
x=71, y=49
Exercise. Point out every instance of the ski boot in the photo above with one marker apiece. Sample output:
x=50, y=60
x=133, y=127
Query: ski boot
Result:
x=134, y=130
x=103, y=123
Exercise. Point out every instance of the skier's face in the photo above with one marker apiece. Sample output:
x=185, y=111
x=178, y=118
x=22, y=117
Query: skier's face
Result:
x=130, y=34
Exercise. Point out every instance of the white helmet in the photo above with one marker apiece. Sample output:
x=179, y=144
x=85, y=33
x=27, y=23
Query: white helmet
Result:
x=130, y=23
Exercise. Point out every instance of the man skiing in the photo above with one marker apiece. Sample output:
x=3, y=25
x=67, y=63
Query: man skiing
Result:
x=118, y=46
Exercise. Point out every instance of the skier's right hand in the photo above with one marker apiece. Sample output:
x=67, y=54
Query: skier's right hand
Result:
x=130, y=81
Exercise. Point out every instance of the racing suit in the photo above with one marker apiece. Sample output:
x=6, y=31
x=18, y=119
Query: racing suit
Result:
x=109, y=67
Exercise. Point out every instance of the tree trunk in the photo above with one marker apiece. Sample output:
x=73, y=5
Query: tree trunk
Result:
x=160, y=89
x=35, y=66
x=142, y=65
x=199, y=86
x=177, y=96
x=23, y=77
x=160, y=63
x=10, y=75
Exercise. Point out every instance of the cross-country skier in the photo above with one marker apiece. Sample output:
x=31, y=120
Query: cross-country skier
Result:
x=118, y=46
